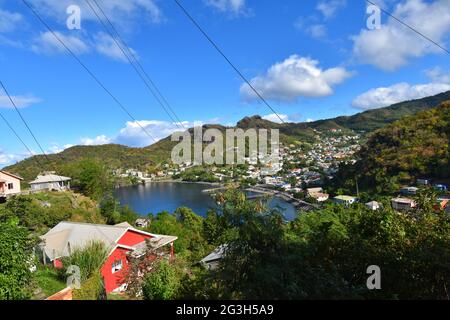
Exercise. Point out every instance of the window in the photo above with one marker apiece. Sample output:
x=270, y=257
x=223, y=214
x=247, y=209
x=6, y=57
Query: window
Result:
x=116, y=266
x=10, y=186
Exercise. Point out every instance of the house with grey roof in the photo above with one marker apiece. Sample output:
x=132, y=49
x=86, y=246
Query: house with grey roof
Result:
x=50, y=182
x=122, y=241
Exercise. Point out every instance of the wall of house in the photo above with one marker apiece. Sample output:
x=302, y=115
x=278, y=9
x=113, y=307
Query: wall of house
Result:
x=10, y=179
x=115, y=280
x=131, y=238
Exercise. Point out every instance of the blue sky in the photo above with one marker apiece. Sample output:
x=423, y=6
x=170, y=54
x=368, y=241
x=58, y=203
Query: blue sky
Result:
x=310, y=59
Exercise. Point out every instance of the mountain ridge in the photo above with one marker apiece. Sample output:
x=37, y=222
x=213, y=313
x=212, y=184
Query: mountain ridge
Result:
x=121, y=156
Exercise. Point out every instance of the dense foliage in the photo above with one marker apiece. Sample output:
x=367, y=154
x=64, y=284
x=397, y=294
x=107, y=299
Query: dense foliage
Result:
x=38, y=212
x=16, y=259
x=414, y=147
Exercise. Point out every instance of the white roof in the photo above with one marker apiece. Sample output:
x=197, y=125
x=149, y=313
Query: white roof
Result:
x=76, y=235
x=49, y=178
x=217, y=254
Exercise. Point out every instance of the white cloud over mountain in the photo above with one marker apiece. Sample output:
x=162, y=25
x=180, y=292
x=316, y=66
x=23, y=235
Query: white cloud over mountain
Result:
x=295, y=77
x=394, y=45
x=385, y=96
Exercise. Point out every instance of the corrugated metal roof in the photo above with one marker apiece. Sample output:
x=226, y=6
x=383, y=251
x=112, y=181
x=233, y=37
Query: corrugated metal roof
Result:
x=50, y=178
x=67, y=236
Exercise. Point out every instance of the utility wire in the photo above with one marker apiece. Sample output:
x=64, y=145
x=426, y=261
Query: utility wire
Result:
x=131, y=57
x=24, y=122
x=210, y=40
x=51, y=163
x=20, y=139
x=408, y=26
x=96, y=79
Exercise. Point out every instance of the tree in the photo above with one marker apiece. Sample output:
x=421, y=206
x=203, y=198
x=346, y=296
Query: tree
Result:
x=91, y=177
x=15, y=261
x=161, y=283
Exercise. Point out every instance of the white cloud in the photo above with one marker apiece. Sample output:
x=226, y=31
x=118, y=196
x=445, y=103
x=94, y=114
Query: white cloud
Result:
x=119, y=11
x=105, y=45
x=20, y=101
x=11, y=158
x=48, y=44
x=99, y=140
x=394, y=45
x=385, y=96
x=438, y=75
x=295, y=77
x=274, y=118
x=317, y=30
x=235, y=7
x=9, y=20
x=330, y=7
x=133, y=135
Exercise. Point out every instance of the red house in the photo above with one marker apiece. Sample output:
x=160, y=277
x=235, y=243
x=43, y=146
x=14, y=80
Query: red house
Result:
x=121, y=241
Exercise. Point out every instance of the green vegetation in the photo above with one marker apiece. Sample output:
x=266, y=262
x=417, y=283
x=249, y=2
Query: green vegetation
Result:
x=188, y=227
x=161, y=284
x=117, y=156
x=48, y=280
x=41, y=211
x=89, y=259
x=91, y=178
x=16, y=259
x=414, y=147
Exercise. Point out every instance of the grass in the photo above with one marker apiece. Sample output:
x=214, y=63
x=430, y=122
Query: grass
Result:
x=47, y=280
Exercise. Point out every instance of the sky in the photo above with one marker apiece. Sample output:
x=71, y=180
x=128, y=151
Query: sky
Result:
x=309, y=59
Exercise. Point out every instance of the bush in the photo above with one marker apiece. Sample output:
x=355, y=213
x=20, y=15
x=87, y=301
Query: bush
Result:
x=162, y=283
x=91, y=289
x=89, y=259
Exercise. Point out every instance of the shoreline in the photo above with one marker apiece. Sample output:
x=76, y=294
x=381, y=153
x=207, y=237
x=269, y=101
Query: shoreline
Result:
x=215, y=184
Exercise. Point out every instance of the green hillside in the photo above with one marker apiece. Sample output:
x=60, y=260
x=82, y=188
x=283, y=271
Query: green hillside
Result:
x=414, y=147
x=118, y=156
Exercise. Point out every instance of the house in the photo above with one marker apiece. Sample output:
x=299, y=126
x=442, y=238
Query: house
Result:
x=9, y=184
x=345, y=200
x=50, y=182
x=403, y=204
x=122, y=240
x=409, y=191
x=440, y=187
x=318, y=194
x=373, y=205
x=211, y=261
x=423, y=182
x=142, y=223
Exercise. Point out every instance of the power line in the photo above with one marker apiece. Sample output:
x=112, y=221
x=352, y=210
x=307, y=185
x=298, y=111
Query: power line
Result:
x=96, y=79
x=227, y=59
x=31, y=133
x=24, y=122
x=20, y=139
x=408, y=26
x=131, y=57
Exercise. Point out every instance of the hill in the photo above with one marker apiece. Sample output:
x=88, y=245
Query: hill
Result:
x=414, y=147
x=119, y=156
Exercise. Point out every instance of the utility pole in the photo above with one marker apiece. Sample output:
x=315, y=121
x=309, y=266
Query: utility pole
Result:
x=357, y=188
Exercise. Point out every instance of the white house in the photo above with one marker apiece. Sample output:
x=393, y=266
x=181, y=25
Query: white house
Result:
x=9, y=184
x=346, y=200
x=373, y=205
x=403, y=204
x=50, y=182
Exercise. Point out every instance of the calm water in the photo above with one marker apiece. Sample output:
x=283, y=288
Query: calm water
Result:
x=168, y=196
